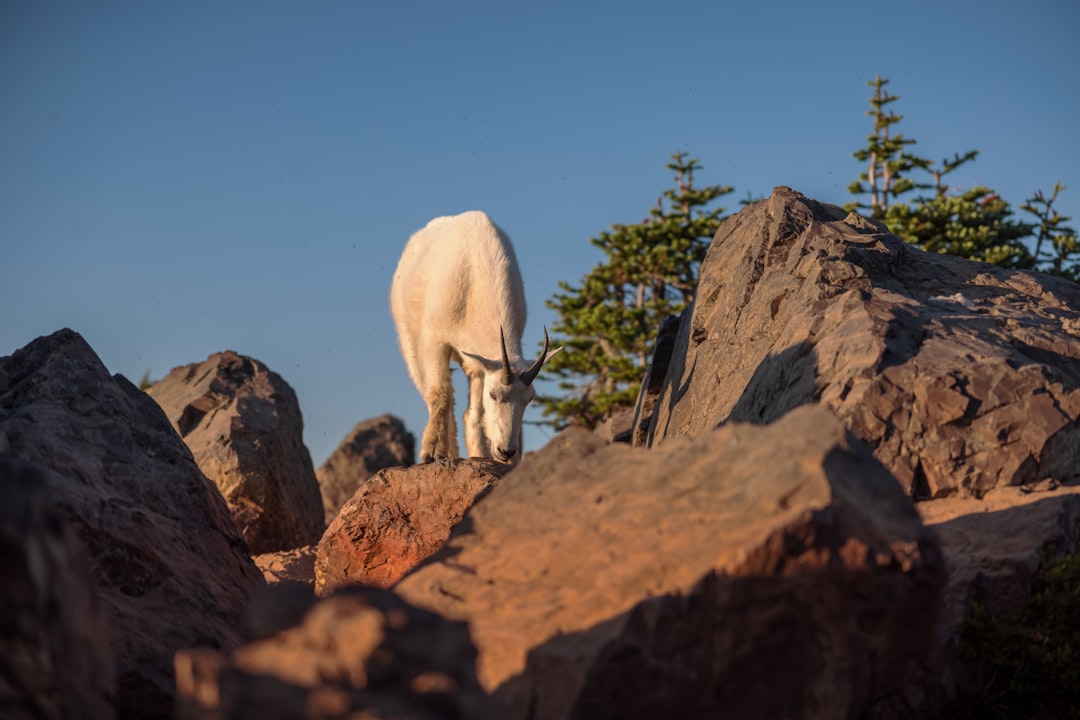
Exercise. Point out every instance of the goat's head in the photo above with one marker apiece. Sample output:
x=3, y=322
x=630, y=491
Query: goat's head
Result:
x=506, y=393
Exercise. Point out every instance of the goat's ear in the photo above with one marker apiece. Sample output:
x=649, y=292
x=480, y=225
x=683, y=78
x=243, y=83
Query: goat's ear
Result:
x=488, y=365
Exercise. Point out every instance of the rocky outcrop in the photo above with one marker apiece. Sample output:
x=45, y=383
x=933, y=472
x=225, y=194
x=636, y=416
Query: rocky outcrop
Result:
x=770, y=568
x=962, y=376
x=360, y=652
x=373, y=445
x=166, y=557
x=243, y=424
x=753, y=572
x=397, y=519
x=56, y=662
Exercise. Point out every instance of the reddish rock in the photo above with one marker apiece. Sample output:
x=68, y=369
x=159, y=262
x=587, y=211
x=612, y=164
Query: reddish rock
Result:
x=243, y=424
x=361, y=652
x=753, y=572
x=962, y=376
x=296, y=565
x=167, y=559
x=373, y=445
x=56, y=661
x=398, y=518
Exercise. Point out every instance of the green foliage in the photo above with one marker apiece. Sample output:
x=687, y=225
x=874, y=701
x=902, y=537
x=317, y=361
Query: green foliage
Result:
x=886, y=155
x=145, y=383
x=607, y=324
x=976, y=224
x=1055, y=242
x=1027, y=666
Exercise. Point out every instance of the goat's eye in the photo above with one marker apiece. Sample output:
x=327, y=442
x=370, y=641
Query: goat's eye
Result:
x=492, y=396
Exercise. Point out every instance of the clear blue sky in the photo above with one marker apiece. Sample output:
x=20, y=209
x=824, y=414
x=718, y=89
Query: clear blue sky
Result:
x=178, y=179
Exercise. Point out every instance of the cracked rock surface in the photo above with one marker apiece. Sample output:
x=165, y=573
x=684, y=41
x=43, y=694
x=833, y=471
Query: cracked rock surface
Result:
x=962, y=376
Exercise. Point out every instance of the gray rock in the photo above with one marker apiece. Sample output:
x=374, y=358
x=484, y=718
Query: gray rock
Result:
x=56, y=661
x=168, y=561
x=645, y=405
x=243, y=424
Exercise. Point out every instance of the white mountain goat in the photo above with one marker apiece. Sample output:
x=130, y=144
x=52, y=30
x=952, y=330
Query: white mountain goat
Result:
x=457, y=295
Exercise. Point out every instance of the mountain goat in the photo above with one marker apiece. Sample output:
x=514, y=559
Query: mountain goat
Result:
x=457, y=295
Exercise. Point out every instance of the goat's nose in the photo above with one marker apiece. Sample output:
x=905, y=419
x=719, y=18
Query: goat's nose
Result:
x=505, y=454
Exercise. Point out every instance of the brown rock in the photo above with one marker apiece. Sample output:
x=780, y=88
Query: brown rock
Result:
x=296, y=565
x=244, y=426
x=373, y=445
x=993, y=545
x=755, y=572
x=962, y=376
x=170, y=566
x=398, y=518
x=56, y=662
x=361, y=652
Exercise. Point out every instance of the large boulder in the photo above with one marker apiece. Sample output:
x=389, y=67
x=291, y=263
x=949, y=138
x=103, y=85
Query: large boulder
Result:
x=361, y=652
x=373, y=445
x=56, y=661
x=242, y=422
x=753, y=572
x=166, y=556
x=398, y=518
x=962, y=376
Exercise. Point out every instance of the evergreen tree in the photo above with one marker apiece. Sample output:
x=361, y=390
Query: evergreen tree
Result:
x=1055, y=243
x=886, y=155
x=607, y=324
x=974, y=224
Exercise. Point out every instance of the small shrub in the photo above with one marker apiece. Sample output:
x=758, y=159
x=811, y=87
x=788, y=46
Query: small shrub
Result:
x=1027, y=666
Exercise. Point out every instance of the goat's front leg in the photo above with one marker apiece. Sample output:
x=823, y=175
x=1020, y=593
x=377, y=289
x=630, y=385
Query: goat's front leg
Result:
x=475, y=442
x=440, y=434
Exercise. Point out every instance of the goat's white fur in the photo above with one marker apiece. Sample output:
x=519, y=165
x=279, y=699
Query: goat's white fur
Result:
x=456, y=292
